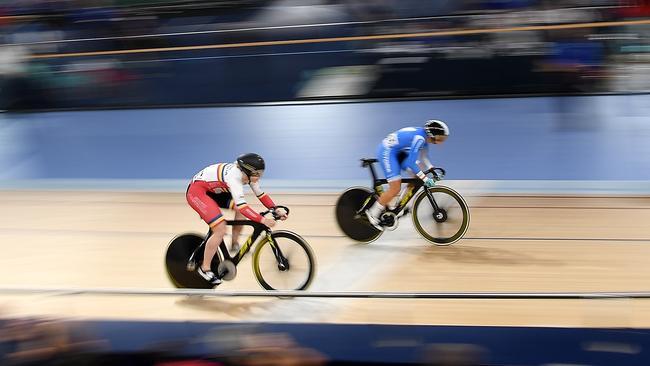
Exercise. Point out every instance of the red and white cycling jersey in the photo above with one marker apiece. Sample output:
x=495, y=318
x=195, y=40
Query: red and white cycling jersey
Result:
x=226, y=177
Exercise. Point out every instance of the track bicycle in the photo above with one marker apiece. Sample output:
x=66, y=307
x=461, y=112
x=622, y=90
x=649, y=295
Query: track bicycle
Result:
x=282, y=260
x=440, y=214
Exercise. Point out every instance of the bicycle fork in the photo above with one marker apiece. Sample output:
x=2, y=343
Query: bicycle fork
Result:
x=439, y=214
x=283, y=262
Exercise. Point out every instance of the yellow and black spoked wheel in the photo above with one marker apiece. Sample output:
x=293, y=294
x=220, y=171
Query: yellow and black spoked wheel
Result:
x=447, y=221
x=284, y=263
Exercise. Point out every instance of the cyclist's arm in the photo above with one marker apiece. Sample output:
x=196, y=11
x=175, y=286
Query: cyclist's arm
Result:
x=412, y=160
x=237, y=191
x=263, y=197
x=423, y=161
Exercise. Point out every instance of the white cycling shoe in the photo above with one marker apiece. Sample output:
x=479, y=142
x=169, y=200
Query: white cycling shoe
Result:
x=374, y=221
x=209, y=276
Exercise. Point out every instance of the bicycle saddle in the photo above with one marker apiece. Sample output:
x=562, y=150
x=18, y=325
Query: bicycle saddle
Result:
x=367, y=161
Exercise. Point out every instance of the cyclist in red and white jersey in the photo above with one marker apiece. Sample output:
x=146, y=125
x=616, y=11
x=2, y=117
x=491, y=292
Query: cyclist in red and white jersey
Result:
x=222, y=186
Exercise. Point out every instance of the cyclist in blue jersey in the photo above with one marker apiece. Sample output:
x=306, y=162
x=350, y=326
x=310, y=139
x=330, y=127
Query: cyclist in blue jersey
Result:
x=405, y=149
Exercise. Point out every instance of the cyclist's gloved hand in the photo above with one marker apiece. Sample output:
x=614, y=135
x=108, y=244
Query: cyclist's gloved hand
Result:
x=268, y=222
x=426, y=179
x=429, y=182
x=281, y=213
x=437, y=174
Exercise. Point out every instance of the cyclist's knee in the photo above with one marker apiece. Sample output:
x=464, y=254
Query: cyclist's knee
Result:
x=391, y=192
x=394, y=186
x=218, y=228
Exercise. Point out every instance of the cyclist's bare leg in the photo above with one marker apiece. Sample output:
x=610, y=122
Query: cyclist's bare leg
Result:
x=236, y=231
x=212, y=245
x=384, y=199
x=390, y=193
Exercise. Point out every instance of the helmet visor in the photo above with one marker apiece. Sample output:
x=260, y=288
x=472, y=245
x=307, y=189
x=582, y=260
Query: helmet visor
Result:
x=439, y=138
x=256, y=173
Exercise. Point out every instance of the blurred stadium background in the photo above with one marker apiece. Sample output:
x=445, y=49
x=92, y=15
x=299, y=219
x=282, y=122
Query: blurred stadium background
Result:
x=97, y=54
x=110, y=106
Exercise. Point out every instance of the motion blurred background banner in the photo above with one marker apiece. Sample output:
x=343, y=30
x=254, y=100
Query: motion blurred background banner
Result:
x=61, y=54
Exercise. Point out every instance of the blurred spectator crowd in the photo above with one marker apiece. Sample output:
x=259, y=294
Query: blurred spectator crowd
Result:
x=55, y=342
x=44, y=341
x=71, y=53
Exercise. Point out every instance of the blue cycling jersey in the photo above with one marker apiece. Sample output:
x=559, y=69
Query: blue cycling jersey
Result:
x=409, y=140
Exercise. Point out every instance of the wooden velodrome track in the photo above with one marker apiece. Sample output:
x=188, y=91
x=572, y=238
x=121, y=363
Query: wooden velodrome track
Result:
x=515, y=243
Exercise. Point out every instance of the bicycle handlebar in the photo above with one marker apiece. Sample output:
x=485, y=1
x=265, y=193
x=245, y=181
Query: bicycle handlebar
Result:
x=272, y=211
x=437, y=172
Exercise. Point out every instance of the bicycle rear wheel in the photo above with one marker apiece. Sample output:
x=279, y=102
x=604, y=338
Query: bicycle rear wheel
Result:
x=287, y=263
x=354, y=225
x=178, y=253
x=449, y=223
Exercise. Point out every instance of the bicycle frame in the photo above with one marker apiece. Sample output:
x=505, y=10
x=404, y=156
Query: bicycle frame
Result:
x=377, y=184
x=258, y=228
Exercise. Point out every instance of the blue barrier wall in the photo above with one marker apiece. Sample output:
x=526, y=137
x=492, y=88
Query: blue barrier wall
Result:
x=570, y=138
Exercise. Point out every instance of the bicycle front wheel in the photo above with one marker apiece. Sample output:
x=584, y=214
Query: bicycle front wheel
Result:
x=284, y=263
x=448, y=223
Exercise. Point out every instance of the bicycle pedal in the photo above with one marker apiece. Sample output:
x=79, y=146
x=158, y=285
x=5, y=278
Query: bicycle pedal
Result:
x=389, y=221
x=391, y=227
x=227, y=270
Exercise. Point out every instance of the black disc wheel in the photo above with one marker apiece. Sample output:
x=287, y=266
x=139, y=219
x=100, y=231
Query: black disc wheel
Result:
x=351, y=218
x=176, y=262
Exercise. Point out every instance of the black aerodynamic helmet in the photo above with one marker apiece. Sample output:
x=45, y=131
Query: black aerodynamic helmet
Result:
x=251, y=164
